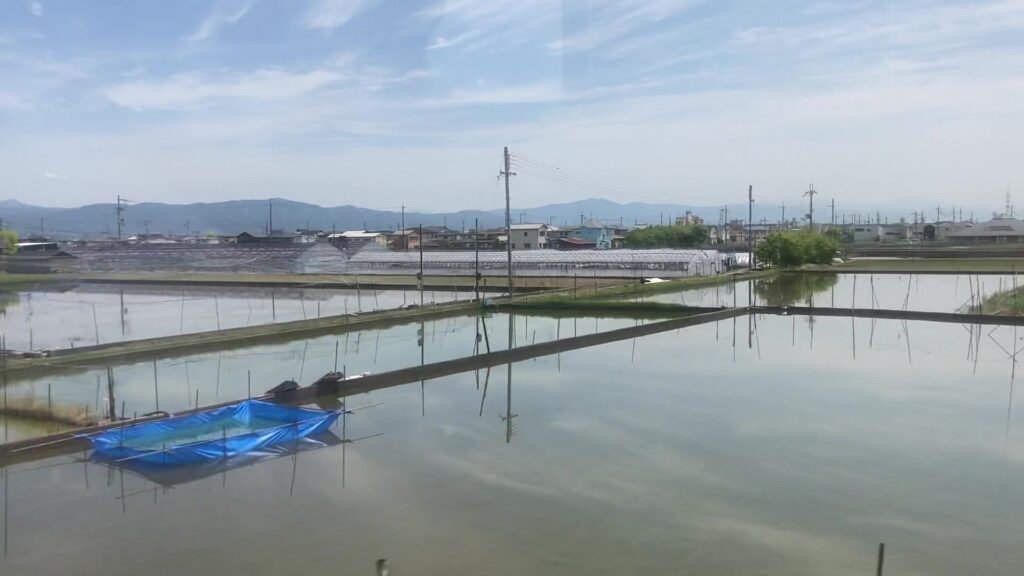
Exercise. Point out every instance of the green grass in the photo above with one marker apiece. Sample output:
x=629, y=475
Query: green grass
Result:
x=1008, y=303
x=930, y=265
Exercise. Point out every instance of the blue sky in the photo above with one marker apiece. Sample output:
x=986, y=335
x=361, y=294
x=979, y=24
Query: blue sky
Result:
x=383, y=103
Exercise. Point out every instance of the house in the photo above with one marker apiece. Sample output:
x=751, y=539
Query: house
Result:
x=573, y=243
x=402, y=240
x=943, y=230
x=736, y=232
x=356, y=239
x=863, y=233
x=1002, y=229
x=483, y=240
x=602, y=236
x=529, y=236
x=275, y=237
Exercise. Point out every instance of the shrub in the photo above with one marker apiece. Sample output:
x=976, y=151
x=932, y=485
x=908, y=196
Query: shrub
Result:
x=797, y=247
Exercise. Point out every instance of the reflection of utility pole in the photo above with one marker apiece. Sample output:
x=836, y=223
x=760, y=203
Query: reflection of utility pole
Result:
x=422, y=342
x=507, y=418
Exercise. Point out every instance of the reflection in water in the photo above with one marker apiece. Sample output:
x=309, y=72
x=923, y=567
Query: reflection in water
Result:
x=793, y=288
x=682, y=462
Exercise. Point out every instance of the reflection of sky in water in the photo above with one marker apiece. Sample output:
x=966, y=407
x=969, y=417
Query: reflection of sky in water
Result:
x=44, y=319
x=927, y=292
x=676, y=454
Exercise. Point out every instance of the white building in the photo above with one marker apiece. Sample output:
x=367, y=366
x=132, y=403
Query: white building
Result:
x=529, y=236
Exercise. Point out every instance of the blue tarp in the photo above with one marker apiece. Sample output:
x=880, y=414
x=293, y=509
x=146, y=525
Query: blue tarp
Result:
x=242, y=428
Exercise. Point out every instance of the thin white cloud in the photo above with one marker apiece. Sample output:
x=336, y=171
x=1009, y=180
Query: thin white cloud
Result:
x=331, y=14
x=225, y=14
x=12, y=103
x=186, y=91
x=603, y=23
x=472, y=24
x=55, y=176
x=36, y=8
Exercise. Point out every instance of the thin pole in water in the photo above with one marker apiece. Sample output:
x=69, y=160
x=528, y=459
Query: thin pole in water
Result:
x=216, y=308
x=156, y=387
x=95, y=325
x=335, y=355
x=881, y=558
x=249, y=383
x=419, y=276
x=197, y=397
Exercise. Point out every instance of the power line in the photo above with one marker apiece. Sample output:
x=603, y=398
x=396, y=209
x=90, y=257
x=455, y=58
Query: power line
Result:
x=557, y=175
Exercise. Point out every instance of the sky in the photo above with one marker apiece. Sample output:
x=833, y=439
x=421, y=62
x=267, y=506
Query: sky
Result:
x=384, y=103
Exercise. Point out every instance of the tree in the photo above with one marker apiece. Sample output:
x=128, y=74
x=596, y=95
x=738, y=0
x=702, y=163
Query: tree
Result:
x=8, y=241
x=797, y=247
x=686, y=236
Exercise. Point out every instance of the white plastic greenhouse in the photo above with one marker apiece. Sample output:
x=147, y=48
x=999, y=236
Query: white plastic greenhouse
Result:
x=655, y=262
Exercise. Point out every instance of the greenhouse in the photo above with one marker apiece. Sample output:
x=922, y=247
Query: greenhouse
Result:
x=660, y=262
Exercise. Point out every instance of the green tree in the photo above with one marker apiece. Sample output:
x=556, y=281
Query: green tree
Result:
x=687, y=236
x=8, y=241
x=797, y=247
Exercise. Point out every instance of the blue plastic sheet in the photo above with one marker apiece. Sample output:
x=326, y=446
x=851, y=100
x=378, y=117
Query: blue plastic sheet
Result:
x=244, y=428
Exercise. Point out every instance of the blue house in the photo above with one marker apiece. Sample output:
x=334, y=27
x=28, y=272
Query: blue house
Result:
x=591, y=231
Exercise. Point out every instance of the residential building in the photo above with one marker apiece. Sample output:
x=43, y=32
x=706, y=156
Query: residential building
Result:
x=999, y=230
x=356, y=239
x=943, y=230
x=529, y=236
x=601, y=235
x=688, y=219
x=574, y=244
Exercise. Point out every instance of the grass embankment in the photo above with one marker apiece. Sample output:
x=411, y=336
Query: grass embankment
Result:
x=463, y=282
x=928, y=266
x=634, y=290
x=22, y=281
x=1008, y=303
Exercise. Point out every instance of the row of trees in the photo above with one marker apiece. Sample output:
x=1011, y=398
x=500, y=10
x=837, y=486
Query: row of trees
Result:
x=798, y=247
x=686, y=236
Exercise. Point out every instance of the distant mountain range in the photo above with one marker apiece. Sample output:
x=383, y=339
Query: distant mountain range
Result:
x=236, y=216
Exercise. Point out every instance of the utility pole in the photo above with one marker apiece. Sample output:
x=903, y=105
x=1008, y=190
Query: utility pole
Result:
x=810, y=215
x=832, y=205
x=405, y=237
x=782, y=221
x=270, y=222
x=120, y=217
x=145, y=225
x=750, y=224
x=42, y=229
x=507, y=173
x=938, y=214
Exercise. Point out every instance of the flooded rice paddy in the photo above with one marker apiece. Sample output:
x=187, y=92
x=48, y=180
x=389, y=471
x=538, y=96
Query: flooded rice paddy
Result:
x=92, y=314
x=756, y=445
x=918, y=292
